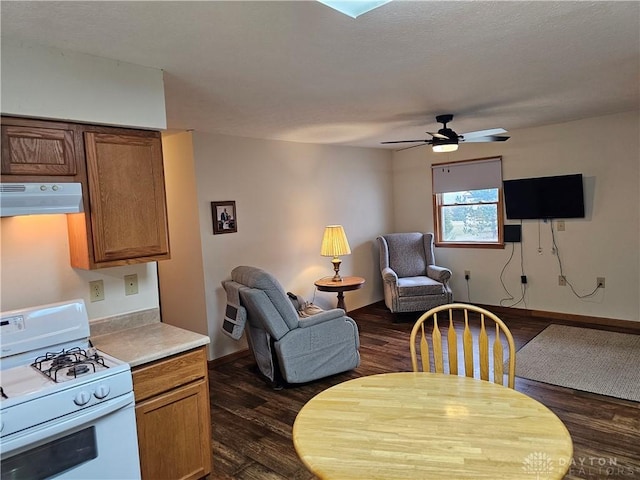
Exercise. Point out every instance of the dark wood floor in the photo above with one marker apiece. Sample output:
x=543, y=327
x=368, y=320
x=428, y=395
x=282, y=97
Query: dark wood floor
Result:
x=252, y=422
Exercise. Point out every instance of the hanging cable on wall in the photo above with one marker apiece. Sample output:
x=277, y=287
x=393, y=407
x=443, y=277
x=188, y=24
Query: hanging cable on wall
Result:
x=556, y=251
x=539, y=242
x=468, y=290
x=510, y=296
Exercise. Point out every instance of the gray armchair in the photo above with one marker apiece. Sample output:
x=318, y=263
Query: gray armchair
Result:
x=411, y=280
x=286, y=347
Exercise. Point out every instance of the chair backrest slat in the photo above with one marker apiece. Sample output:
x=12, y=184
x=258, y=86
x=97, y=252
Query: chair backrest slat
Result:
x=452, y=346
x=489, y=352
x=498, y=358
x=467, y=342
x=483, y=348
x=424, y=351
x=437, y=346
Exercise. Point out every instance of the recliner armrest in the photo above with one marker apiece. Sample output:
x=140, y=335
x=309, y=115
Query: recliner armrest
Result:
x=440, y=274
x=321, y=317
x=389, y=276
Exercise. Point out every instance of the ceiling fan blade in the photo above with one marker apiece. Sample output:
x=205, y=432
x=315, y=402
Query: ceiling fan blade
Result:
x=407, y=148
x=484, y=133
x=490, y=138
x=409, y=141
x=438, y=135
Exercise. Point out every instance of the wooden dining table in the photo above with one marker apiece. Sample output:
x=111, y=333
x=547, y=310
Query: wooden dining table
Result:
x=429, y=426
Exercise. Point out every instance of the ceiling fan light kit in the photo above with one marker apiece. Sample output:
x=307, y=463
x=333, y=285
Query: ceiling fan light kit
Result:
x=445, y=147
x=446, y=140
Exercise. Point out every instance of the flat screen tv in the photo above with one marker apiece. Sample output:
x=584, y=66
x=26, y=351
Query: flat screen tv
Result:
x=544, y=197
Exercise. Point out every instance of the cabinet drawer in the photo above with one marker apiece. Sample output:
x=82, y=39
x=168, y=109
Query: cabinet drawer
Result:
x=169, y=373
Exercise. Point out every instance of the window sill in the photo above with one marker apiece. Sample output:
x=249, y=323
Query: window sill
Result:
x=469, y=245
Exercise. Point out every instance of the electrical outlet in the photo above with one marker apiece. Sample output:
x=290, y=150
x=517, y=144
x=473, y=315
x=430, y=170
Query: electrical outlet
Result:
x=131, y=284
x=96, y=290
x=467, y=274
x=600, y=282
x=560, y=225
x=562, y=280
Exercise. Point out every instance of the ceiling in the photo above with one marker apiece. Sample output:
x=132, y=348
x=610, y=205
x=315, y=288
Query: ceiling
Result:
x=303, y=72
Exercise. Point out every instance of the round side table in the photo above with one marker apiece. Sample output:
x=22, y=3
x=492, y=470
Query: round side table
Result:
x=344, y=285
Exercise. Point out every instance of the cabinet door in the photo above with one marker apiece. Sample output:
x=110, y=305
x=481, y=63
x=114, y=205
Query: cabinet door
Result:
x=28, y=150
x=127, y=196
x=173, y=430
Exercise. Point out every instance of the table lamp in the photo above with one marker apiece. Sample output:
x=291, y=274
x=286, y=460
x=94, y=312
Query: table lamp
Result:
x=335, y=244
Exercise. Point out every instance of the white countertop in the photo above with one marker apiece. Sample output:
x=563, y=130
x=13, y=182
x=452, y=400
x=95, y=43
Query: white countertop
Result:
x=147, y=343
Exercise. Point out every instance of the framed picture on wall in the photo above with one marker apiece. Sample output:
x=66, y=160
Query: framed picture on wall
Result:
x=224, y=217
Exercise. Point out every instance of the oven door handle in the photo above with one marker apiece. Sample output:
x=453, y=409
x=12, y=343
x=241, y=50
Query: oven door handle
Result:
x=40, y=434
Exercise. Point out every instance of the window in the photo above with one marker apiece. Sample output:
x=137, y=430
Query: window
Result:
x=467, y=201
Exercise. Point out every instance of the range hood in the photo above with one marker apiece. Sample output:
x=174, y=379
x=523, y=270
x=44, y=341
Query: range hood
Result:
x=39, y=198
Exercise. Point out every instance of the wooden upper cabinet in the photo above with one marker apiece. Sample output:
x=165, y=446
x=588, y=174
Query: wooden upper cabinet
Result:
x=38, y=148
x=128, y=218
x=121, y=170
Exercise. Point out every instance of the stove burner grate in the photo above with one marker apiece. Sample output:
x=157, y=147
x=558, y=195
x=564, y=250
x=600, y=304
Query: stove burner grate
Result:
x=71, y=362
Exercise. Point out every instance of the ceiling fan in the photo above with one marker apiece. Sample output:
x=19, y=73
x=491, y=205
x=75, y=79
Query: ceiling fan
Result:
x=446, y=140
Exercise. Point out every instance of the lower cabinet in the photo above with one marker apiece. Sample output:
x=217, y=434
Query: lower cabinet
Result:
x=173, y=417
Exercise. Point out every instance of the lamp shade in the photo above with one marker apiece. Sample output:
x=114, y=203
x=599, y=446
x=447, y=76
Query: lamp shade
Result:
x=334, y=242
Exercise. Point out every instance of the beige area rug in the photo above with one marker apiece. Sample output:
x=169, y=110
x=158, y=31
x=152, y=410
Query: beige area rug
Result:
x=597, y=361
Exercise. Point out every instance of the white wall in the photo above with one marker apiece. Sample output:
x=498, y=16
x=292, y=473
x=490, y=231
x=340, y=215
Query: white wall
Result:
x=35, y=269
x=285, y=194
x=49, y=83
x=604, y=244
x=34, y=250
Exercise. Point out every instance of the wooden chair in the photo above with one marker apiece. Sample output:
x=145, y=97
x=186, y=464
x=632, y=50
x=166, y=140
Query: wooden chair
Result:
x=470, y=313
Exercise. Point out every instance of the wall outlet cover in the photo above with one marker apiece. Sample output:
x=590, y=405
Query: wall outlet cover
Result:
x=131, y=284
x=96, y=291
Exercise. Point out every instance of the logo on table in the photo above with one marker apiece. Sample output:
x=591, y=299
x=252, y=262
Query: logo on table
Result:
x=538, y=463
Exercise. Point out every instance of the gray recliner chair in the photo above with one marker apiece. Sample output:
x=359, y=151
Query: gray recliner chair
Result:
x=411, y=280
x=286, y=347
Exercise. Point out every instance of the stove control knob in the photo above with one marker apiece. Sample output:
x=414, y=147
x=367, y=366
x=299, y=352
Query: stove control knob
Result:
x=82, y=398
x=101, y=391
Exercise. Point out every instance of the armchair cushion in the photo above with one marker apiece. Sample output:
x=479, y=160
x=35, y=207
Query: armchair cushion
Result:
x=419, y=286
x=263, y=281
x=406, y=254
x=259, y=305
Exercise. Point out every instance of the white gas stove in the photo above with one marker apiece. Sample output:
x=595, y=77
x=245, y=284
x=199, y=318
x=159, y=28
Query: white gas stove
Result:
x=66, y=409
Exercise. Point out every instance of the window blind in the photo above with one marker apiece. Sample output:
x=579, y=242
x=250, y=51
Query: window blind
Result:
x=467, y=175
